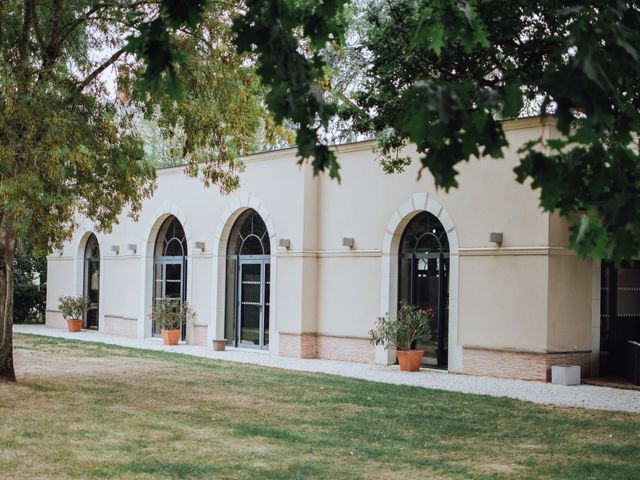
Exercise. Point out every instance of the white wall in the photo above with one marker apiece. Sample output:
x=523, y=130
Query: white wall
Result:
x=319, y=286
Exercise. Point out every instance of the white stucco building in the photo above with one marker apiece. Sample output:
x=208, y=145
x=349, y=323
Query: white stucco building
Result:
x=302, y=266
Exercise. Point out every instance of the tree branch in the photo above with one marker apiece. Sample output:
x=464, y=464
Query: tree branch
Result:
x=69, y=28
x=92, y=76
x=36, y=26
x=23, y=42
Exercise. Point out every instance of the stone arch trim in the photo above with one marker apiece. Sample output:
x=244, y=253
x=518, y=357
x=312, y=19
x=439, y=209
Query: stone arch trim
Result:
x=155, y=221
x=239, y=203
x=419, y=202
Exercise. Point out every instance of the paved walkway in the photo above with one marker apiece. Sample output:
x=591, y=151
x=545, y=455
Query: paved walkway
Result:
x=587, y=396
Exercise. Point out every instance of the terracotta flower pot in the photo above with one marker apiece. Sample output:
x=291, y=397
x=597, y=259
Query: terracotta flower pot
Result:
x=74, y=324
x=219, y=345
x=410, y=360
x=170, y=337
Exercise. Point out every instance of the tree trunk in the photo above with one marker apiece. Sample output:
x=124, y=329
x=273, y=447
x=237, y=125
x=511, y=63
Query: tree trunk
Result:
x=7, y=253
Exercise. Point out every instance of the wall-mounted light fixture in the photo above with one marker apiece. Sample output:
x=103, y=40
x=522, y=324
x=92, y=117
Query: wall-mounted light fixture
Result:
x=199, y=246
x=495, y=237
x=132, y=247
x=60, y=252
x=348, y=242
x=284, y=243
x=115, y=249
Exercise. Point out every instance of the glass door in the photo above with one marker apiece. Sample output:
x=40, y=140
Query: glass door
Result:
x=429, y=285
x=253, y=305
x=92, y=292
x=169, y=283
x=619, y=317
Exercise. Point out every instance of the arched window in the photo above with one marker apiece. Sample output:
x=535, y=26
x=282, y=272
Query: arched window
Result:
x=248, y=282
x=171, y=241
x=249, y=235
x=423, y=278
x=170, y=265
x=91, y=289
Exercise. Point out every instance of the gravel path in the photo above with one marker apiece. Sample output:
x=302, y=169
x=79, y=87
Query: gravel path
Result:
x=586, y=396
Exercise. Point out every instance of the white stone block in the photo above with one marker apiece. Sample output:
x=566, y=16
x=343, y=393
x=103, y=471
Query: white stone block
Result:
x=565, y=375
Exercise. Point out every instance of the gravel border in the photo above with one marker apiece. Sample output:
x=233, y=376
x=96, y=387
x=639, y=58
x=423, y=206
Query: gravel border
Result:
x=585, y=396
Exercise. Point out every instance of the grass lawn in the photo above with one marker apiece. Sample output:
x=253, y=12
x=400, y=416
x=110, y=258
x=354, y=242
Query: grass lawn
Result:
x=85, y=410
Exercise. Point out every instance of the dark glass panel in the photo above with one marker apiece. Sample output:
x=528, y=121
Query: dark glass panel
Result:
x=250, y=324
x=230, y=301
x=91, y=288
x=92, y=249
x=173, y=271
x=267, y=292
x=428, y=243
x=174, y=248
x=427, y=295
x=172, y=289
x=92, y=292
x=251, y=292
x=405, y=280
x=251, y=281
x=245, y=223
x=251, y=246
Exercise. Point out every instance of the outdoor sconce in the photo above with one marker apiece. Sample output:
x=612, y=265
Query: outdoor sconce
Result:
x=348, y=242
x=115, y=249
x=132, y=247
x=284, y=243
x=495, y=237
x=60, y=252
x=199, y=246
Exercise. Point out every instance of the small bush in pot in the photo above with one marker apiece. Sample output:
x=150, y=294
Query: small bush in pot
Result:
x=169, y=316
x=73, y=309
x=412, y=326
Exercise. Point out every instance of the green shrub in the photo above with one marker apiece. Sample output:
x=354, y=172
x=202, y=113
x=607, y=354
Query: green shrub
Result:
x=29, y=286
x=411, y=326
x=73, y=307
x=171, y=314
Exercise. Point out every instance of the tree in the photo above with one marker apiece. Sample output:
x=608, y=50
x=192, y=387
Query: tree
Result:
x=30, y=285
x=69, y=149
x=443, y=73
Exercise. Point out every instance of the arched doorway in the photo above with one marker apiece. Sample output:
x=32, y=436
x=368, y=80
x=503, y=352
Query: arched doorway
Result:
x=248, y=282
x=91, y=283
x=170, y=266
x=423, y=279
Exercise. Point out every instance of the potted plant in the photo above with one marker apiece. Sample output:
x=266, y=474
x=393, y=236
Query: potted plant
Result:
x=169, y=316
x=412, y=326
x=72, y=309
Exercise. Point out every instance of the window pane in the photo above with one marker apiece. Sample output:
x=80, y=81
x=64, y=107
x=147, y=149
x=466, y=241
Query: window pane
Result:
x=171, y=239
x=250, y=229
x=174, y=271
x=230, y=302
x=173, y=248
x=173, y=289
x=251, y=246
x=250, y=325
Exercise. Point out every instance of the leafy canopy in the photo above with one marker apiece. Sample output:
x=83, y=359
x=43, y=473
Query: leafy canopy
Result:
x=70, y=148
x=443, y=73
